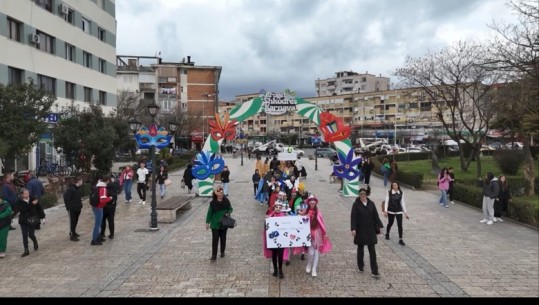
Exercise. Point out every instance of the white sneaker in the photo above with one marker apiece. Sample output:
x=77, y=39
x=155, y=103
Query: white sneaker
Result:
x=308, y=269
x=494, y=219
x=452, y=202
x=313, y=273
x=489, y=222
x=483, y=221
x=500, y=220
x=143, y=202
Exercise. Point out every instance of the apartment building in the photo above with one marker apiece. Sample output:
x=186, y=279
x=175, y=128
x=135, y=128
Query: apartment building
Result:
x=346, y=82
x=176, y=87
x=402, y=116
x=68, y=47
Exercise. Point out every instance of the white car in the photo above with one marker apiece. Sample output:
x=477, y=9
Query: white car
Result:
x=298, y=152
x=515, y=145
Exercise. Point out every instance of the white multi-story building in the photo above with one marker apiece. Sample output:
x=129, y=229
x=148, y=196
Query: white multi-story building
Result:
x=67, y=46
x=346, y=82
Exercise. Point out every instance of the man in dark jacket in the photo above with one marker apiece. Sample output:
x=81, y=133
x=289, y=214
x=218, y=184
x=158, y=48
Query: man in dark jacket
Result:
x=365, y=225
x=73, y=204
x=109, y=210
x=35, y=186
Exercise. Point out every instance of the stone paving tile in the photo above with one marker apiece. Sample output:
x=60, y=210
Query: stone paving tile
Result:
x=445, y=254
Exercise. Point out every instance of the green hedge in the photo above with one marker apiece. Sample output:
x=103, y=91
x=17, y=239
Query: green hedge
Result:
x=518, y=210
x=48, y=200
x=409, y=178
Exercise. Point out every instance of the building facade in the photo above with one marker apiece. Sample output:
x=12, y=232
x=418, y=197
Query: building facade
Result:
x=183, y=91
x=402, y=116
x=68, y=47
x=346, y=82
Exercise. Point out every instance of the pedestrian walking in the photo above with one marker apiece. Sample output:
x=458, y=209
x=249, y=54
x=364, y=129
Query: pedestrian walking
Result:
x=491, y=190
x=29, y=208
x=219, y=207
x=365, y=225
x=5, y=222
x=142, y=180
x=276, y=254
x=73, y=205
x=443, y=186
x=162, y=175
x=395, y=207
x=225, y=179
x=256, y=180
x=104, y=198
x=109, y=210
x=188, y=177
x=502, y=201
x=367, y=170
x=320, y=242
x=126, y=181
x=451, y=185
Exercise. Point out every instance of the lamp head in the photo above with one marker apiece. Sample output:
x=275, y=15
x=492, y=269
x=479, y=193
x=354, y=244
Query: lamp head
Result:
x=153, y=109
x=134, y=125
x=172, y=126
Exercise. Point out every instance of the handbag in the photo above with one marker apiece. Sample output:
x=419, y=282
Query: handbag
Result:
x=168, y=182
x=182, y=184
x=228, y=222
x=33, y=221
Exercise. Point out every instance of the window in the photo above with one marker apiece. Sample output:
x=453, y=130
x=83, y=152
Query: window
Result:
x=14, y=29
x=102, y=66
x=70, y=52
x=47, y=83
x=15, y=76
x=70, y=16
x=87, y=59
x=102, y=97
x=101, y=34
x=70, y=90
x=101, y=4
x=46, y=42
x=85, y=25
x=87, y=95
x=46, y=4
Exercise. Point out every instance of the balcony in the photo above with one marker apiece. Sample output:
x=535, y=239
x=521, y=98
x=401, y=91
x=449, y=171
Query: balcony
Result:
x=147, y=87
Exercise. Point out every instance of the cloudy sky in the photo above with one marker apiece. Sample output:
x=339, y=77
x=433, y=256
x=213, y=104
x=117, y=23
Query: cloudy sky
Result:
x=280, y=44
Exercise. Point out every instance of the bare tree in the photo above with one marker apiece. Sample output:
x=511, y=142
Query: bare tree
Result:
x=516, y=51
x=459, y=89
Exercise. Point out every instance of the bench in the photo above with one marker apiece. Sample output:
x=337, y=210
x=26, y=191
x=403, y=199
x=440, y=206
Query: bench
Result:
x=166, y=210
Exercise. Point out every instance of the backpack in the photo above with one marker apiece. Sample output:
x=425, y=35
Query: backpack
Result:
x=94, y=197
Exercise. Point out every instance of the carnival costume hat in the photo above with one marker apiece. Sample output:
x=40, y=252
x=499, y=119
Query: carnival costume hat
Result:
x=311, y=198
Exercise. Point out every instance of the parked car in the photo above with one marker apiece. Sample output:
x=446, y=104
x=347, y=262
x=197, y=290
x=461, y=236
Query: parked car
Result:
x=326, y=152
x=496, y=146
x=515, y=145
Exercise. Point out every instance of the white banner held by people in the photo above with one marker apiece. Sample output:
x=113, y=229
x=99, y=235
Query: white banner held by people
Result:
x=288, y=231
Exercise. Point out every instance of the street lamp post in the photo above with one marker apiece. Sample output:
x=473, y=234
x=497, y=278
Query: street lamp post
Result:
x=152, y=137
x=204, y=122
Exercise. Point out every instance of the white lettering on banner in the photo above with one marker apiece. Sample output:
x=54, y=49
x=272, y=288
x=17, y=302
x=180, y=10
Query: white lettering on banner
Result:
x=288, y=231
x=278, y=103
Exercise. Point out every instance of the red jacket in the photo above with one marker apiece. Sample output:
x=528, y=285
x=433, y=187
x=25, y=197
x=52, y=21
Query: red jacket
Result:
x=104, y=198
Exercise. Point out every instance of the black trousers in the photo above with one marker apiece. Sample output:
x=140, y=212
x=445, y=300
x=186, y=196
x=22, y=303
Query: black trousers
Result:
x=73, y=220
x=216, y=236
x=28, y=231
x=367, y=178
x=391, y=219
x=450, y=193
x=108, y=216
x=372, y=255
x=277, y=257
x=141, y=190
x=255, y=185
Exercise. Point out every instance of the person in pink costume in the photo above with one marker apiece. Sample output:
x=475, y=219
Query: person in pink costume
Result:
x=276, y=254
x=320, y=242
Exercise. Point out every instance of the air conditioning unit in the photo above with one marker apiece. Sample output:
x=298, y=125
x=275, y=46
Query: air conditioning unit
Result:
x=63, y=9
x=34, y=38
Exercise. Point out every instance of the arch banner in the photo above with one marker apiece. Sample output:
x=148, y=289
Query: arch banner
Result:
x=333, y=130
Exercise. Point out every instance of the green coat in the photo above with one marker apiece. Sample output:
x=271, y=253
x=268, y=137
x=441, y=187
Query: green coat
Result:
x=214, y=217
x=5, y=214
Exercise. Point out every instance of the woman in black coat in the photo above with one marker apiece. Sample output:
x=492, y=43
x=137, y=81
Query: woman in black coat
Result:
x=28, y=207
x=188, y=177
x=365, y=225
